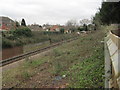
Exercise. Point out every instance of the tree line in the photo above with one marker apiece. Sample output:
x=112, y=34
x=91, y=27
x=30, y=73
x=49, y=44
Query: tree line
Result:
x=109, y=13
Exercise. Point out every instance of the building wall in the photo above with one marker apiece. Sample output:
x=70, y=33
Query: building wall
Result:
x=6, y=23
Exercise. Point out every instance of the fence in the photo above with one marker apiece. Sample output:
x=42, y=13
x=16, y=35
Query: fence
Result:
x=112, y=60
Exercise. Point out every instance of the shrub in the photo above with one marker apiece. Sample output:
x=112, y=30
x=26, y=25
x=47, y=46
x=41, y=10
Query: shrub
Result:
x=15, y=37
x=6, y=43
x=62, y=30
x=85, y=27
x=50, y=33
x=81, y=29
x=23, y=31
x=73, y=29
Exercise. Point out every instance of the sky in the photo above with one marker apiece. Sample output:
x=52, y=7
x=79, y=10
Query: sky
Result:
x=49, y=11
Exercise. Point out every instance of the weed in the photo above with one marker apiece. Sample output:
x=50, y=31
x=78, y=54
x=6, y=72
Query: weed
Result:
x=57, y=67
x=57, y=53
x=26, y=75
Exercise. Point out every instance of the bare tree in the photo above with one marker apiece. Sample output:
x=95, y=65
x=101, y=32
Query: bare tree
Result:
x=71, y=24
x=85, y=21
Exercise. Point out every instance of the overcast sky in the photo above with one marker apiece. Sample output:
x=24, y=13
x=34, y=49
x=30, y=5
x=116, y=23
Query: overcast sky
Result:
x=49, y=11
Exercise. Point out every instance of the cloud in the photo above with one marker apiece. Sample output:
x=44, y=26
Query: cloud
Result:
x=48, y=11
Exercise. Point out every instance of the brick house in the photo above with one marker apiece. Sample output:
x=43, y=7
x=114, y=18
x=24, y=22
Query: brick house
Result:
x=55, y=28
x=6, y=23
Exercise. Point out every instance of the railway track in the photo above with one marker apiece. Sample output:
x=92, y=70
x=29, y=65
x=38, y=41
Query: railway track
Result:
x=23, y=56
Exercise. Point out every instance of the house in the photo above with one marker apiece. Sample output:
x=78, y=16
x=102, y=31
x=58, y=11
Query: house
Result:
x=46, y=27
x=55, y=28
x=6, y=23
x=67, y=31
x=66, y=28
x=35, y=27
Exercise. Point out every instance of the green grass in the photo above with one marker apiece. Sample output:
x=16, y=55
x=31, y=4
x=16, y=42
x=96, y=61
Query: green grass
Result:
x=34, y=63
x=82, y=61
x=88, y=74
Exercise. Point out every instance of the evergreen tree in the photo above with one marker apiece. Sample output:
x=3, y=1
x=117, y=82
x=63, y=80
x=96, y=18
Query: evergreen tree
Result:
x=110, y=12
x=23, y=23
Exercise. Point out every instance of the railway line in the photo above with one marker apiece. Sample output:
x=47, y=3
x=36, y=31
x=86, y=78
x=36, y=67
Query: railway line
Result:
x=23, y=56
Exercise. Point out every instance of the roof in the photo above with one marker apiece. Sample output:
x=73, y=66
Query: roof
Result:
x=54, y=27
x=3, y=18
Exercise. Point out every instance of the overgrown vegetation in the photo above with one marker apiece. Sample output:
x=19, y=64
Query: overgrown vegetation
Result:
x=88, y=74
x=83, y=67
x=23, y=35
x=89, y=27
x=15, y=37
x=80, y=61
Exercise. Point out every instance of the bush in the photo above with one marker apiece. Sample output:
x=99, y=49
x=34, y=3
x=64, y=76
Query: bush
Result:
x=6, y=43
x=15, y=37
x=50, y=33
x=23, y=31
x=85, y=27
x=81, y=29
x=73, y=29
x=62, y=30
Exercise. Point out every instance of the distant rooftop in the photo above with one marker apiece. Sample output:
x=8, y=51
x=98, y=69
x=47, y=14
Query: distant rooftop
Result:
x=4, y=18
